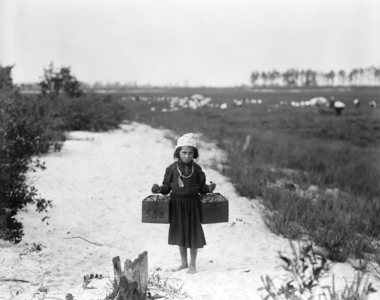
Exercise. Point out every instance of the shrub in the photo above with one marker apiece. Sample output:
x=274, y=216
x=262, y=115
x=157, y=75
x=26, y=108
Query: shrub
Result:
x=35, y=124
x=6, y=82
x=92, y=113
x=55, y=82
x=19, y=140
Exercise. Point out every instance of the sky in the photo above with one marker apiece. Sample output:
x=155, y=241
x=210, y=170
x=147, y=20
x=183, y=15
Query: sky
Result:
x=186, y=42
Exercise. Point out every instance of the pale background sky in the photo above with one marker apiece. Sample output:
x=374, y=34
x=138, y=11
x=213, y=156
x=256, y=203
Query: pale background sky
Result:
x=201, y=42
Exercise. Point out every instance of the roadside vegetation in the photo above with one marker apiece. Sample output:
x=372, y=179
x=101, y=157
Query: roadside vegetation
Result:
x=32, y=125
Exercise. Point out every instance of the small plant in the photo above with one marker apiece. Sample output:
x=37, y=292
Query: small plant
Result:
x=172, y=288
x=35, y=248
x=69, y=297
x=86, y=281
x=306, y=269
x=43, y=289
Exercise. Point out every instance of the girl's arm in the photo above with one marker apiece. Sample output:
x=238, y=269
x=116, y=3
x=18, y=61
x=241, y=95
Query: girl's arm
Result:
x=165, y=187
x=204, y=188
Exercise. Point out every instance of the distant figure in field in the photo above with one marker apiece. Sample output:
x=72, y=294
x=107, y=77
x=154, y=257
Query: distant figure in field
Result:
x=372, y=103
x=357, y=102
x=338, y=106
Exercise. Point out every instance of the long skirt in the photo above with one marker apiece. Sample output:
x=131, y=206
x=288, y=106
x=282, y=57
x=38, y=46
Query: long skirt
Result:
x=185, y=222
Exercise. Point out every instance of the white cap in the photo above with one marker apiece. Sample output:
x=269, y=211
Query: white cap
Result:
x=339, y=104
x=187, y=139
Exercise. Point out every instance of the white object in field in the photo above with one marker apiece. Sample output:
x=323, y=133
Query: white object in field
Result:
x=316, y=101
x=338, y=104
x=197, y=97
x=372, y=103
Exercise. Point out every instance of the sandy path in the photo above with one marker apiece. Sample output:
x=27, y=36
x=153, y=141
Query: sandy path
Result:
x=97, y=183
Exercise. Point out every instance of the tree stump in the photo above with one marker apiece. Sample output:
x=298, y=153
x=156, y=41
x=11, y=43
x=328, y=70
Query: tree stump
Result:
x=132, y=282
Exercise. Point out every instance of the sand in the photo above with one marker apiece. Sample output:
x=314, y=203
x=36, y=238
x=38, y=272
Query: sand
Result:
x=97, y=183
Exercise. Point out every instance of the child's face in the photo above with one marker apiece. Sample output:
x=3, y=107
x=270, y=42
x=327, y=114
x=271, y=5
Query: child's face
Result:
x=186, y=154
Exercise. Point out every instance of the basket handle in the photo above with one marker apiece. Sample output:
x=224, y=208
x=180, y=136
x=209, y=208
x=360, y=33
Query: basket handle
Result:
x=156, y=198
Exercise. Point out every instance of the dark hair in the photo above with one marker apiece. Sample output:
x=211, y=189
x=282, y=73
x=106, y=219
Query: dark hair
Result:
x=178, y=150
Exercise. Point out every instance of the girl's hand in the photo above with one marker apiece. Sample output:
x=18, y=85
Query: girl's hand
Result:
x=211, y=187
x=156, y=188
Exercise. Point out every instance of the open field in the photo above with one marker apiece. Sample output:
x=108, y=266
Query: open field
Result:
x=358, y=125
x=302, y=148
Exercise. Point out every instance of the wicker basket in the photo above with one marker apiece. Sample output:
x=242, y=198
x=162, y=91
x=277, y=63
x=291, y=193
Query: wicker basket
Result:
x=214, y=208
x=155, y=209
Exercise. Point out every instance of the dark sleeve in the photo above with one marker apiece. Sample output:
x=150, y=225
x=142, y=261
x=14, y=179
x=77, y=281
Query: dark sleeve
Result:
x=202, y=181
x=165, y=187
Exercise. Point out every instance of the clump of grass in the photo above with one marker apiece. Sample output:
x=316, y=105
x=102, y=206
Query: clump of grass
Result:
x=305, y=270
x=169, y=288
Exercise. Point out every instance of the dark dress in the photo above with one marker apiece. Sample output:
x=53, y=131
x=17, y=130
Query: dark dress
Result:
x=185, y=206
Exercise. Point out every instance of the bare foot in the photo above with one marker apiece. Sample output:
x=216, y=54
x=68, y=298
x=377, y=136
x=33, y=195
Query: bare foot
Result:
x=192, y=270
x=181, y=267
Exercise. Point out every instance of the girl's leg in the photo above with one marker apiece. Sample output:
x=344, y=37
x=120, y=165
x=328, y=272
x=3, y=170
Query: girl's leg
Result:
x=193, y=258
x=183, y=252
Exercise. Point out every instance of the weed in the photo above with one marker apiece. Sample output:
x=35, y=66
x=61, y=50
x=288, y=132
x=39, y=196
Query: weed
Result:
x=170, y=288
x=306, y=268
x=86, y=281
x=43, y=289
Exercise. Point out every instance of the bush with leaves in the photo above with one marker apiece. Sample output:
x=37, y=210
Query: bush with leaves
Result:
x=6, y=81
x=19, y=141
x=91, y=113
x=55, y=82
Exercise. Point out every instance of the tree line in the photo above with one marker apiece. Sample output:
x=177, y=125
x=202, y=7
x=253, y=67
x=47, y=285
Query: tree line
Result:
x=293, y=77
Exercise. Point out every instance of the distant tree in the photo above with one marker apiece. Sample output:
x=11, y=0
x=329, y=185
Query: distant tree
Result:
x=342, y=76
x=97, y=85
x=376, y=75
x=273, y=76
x=310, y=78
x=264, y=78
x=361, y=74
x=254, y=77
x=303, y=77
x=6, y=81
x=330, y=76
x=56, y=82
x=293, y=77
x=290, y=77
x=353, y=76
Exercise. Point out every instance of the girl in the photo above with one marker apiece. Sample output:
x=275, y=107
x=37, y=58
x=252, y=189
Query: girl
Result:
x=185, y=180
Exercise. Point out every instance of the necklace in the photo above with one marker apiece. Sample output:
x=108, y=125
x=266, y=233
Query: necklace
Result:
x=180, y=183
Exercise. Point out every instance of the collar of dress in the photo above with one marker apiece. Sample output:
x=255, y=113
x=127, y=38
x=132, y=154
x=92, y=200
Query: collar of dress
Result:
x=186, y=164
